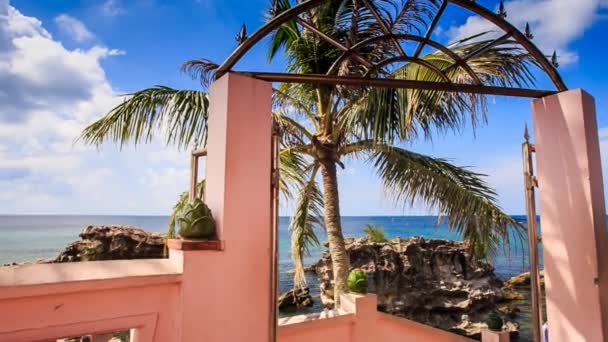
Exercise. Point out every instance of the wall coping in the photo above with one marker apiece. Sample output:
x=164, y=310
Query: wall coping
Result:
x=325, y=314
x=40, y=279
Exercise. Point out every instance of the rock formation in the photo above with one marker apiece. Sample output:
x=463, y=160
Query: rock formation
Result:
x=435, y=282
x=113, y=243
x=295, y=299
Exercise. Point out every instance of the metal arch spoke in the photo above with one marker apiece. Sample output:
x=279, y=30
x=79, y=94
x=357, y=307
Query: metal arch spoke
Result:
x=418, y=61
x=396, y=83
x=479, y=51
x=429, y=31
x=262, y=32
x=432, y=43
x=539, y=58
x=518, y=36
x=384, y=26
x=332, y=41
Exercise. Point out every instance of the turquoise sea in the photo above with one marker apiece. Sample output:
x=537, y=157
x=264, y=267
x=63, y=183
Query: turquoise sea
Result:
x=32, y=237
x=29, y=238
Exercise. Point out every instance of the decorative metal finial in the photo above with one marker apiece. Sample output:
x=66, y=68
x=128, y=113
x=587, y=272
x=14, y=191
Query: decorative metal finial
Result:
x=242, y=35
x=526, y=134
x=501, y=10
x=528, y=32
x=554, y=59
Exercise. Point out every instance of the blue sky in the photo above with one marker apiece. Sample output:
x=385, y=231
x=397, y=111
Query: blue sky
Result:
x=65, y=63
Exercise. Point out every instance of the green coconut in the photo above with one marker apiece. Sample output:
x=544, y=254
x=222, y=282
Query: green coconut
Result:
x=196, y=221
x=357, y=281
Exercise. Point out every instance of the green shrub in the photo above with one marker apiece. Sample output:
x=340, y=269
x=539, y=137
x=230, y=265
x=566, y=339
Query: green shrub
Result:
x=357, y=281
x=494, y=322
x=375, y=234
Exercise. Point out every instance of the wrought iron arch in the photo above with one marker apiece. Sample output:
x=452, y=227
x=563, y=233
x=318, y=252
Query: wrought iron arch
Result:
x=511, y=33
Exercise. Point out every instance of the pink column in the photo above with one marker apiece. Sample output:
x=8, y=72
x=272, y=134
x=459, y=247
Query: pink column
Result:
x=225, y=294
x=573, y=217
x=365, y=309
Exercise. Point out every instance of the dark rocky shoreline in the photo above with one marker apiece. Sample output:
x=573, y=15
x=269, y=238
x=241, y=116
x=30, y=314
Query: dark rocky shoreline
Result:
x=434, y=282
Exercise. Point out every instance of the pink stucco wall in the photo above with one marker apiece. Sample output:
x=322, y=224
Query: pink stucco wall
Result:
x=573, y=217
x=336, y=329
x=360, y=321
x=228, y=292
x=41, y=302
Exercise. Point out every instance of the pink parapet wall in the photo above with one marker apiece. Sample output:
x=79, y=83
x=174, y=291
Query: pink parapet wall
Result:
x=44, y=302
x=573, y=217
x=226, y=295
x=359, y=321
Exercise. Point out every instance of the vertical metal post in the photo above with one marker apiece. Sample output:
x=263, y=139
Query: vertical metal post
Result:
x=274, y=204
x=196, y=154
x=530, y=183
x=193, y=176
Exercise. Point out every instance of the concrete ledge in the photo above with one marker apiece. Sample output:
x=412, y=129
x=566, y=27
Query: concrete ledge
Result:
x=38, y=279
x=326, y=314
x=195, y=245
x=315, y=322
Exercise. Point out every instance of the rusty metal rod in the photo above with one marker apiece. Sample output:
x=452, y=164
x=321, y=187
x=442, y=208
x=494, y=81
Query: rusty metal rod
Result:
x=274, y=205
x=418, y=61
x=332, y=41
x=396, y=83
x=193, y=176
x=479, y=51
x=431, y=28
x=384, y=27
x=530, y=184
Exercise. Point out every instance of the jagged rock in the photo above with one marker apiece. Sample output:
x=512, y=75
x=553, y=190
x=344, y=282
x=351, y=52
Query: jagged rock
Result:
x=310, y=269
x=523, y=280
x=509, y=294
x=514, y=286
x=435, y=282
x=509, y=311
x=295, y=299
x=113, y=243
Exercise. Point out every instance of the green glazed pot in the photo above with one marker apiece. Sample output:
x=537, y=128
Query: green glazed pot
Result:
x=196, y=221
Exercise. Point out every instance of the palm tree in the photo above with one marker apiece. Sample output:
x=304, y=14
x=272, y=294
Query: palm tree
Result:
x=321, y=126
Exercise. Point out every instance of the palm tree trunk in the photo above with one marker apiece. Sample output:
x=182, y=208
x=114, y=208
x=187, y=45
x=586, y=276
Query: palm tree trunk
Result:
x=337, y=250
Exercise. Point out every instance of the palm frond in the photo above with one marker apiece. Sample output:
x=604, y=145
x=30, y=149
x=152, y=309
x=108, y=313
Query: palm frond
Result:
x=202, y=70
x=306, y=217
x=387, y=115
x=292, y=171
x=462, y=196
x=181, y=115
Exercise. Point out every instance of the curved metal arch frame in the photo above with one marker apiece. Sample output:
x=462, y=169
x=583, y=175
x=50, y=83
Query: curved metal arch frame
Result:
x=510, y=31
x=409, y=37
x=418, y=61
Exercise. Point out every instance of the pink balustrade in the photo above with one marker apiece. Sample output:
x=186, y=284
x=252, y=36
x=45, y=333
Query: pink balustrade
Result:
x=219, y=290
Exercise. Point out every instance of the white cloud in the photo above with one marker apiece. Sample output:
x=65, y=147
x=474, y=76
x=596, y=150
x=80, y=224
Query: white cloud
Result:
x=48, y=93
x=112, y=8
x=554, y=23
x=74, y=28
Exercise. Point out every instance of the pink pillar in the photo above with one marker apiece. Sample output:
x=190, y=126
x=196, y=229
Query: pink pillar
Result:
x=573, y=217
x=225, y=294
x=365, y=309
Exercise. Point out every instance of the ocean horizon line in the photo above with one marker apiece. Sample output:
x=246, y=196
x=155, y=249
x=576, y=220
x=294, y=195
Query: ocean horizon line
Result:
x=167, y=215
